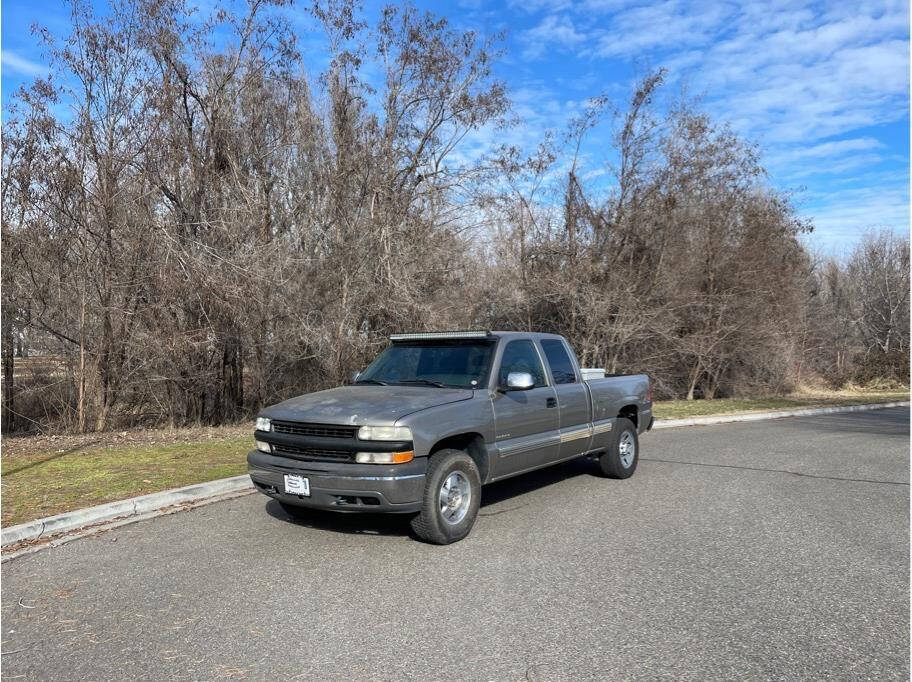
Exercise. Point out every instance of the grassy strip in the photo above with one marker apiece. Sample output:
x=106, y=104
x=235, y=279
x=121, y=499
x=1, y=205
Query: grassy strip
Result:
x=679, y=409
x=47, y=480
x=48, y=483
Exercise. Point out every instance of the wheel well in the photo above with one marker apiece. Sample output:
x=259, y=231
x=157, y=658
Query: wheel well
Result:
x=473, y=444
x=629, y=412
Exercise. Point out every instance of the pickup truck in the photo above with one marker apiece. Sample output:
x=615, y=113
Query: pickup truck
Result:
x=438, y=415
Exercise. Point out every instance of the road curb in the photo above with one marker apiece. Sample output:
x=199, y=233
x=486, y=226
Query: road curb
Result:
x=145, y=506
x=135, y=506
x=778, y=414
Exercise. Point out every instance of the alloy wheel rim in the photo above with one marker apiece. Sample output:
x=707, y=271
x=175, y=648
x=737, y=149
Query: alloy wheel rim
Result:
x=454, y=497
x=627, y=449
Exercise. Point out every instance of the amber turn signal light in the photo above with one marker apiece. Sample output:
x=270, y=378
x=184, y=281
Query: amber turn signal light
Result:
x=385, y=457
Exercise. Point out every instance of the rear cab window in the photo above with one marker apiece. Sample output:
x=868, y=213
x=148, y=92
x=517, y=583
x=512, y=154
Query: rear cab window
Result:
x=562, y=371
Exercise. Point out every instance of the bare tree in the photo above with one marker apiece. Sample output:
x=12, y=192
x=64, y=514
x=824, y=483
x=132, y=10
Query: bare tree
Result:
x=214, y=228
x=194, y=225
x=878, y=272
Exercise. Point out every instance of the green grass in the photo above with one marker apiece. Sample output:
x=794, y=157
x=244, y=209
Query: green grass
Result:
x=43, y=484
x=38, y=480
x=679, y=409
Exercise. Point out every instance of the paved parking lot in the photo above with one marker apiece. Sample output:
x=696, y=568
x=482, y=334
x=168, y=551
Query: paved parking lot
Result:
x=775, y=549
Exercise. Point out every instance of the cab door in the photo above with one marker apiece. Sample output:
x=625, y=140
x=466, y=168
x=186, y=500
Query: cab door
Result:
x=525, y=421
x=573, y=400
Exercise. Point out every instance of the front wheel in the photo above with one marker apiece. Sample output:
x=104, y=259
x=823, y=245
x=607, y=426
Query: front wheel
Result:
x=452, y=495
x=620, y=459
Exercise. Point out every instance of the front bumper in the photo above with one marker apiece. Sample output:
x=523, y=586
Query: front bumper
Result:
x=342, y=486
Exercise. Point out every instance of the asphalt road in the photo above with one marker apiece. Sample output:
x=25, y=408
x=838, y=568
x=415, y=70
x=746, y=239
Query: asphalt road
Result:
x=765, y=550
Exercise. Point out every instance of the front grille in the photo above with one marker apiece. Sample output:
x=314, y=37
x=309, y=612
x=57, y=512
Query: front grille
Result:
x=320, y=430
x=313, y=454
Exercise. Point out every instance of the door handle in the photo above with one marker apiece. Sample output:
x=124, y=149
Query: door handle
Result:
x=551, y=402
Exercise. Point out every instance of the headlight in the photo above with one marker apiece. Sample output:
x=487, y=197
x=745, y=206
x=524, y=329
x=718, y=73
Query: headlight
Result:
x=385, y=433
x=384, y=457
x=263, y=424
x=263, y=447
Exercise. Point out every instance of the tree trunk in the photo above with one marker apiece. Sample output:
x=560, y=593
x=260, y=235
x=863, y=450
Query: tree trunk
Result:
x=9, y=415
x=104, y=376
x=232, y=380
x=81, y=391
x=694, y=377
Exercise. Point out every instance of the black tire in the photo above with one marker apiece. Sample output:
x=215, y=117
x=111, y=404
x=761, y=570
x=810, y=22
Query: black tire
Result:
x=611, y=462
x=430, y=524
x=294, y=511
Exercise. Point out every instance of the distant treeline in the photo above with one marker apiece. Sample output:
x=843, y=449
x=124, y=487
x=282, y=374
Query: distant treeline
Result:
x=195, y=226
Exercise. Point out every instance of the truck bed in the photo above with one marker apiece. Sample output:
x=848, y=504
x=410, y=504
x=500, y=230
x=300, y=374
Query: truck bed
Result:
x=621, y=394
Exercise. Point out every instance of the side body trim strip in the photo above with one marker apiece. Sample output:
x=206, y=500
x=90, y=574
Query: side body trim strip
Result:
x=525, y=446
x=547, y=464
x=576, y=434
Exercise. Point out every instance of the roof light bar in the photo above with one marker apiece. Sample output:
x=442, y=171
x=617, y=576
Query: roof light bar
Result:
x=430, y=336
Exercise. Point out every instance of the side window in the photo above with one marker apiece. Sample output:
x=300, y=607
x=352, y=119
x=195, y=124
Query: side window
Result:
x=561, y=366
x=520, y=356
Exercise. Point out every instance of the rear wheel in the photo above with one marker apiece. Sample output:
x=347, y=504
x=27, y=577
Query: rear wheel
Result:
x=620, y=459
x=452, y=495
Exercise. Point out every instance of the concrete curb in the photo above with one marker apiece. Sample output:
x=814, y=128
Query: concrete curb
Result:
x=132, y=507
x=762, y=416
x=146, y=506
x=25, y=547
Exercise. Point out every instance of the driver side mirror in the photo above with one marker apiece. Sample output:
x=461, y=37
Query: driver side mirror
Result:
x=520, y=381
x=355, y=376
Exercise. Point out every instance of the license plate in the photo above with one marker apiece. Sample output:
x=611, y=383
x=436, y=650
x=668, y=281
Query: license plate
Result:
x=297, y=485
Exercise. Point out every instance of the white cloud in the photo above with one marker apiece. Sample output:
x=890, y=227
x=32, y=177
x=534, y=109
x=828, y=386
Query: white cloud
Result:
x=532, y=6
x=553, y=30
x=810, y=81
x=782, y=70
x=789, y=162
x=13, y=63
x=844, y=206
x=666, y=25
x=842, y=217
x=785, y=100
x=828, y=150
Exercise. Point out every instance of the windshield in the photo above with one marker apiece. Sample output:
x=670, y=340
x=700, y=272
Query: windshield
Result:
x=443, y=365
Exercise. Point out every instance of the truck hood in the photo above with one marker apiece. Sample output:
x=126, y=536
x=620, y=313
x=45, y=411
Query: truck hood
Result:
x=359, y=405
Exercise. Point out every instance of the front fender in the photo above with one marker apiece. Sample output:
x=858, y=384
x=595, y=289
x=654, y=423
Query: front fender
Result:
x=432, y=425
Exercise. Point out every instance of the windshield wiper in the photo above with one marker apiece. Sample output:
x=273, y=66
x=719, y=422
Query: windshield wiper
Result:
x=372, y=381
x=425, y=382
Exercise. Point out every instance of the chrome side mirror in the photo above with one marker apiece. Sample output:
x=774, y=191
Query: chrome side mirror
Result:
x=355, y=376
x=520, y=381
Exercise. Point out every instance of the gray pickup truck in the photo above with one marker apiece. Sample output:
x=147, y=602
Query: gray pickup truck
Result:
x=438, y=415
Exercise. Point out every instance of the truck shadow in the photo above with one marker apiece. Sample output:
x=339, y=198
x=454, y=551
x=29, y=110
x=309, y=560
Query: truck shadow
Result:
x=365, y=523
x=359, y=523
x=494, y=493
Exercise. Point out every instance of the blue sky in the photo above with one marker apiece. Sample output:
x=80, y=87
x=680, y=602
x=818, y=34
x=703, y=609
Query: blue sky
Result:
x=822, y=87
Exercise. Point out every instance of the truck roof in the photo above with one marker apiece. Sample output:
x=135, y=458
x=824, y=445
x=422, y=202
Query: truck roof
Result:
x=526, y=335
x=471, y=334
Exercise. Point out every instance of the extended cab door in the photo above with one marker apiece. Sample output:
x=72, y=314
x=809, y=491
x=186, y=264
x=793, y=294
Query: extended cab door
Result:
x=572, y=398
x=525, y=422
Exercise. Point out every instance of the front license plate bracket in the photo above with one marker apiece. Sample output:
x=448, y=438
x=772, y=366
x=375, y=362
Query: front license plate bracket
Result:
x=297, y=485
